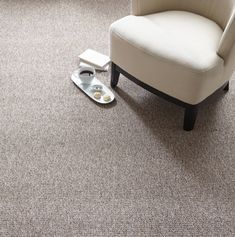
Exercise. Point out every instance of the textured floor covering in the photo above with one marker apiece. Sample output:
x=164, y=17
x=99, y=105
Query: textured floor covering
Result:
x=71, y=168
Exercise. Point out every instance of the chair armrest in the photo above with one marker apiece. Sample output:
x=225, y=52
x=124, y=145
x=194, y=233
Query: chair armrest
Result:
x=228, y=38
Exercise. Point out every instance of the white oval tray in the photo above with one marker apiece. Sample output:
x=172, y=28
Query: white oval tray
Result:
x=89, y=91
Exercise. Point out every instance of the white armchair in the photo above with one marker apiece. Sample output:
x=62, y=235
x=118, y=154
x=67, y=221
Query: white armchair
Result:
x=182, y=50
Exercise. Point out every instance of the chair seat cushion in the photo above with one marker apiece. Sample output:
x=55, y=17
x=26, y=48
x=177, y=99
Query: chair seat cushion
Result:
x=173, y=51
x=180, y=37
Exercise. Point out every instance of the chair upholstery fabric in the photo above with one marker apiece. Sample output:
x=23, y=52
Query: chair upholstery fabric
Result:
x=219, y=11
x=176, y=47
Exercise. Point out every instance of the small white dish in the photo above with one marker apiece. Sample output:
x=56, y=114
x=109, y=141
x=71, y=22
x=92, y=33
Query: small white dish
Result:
x=97, y=88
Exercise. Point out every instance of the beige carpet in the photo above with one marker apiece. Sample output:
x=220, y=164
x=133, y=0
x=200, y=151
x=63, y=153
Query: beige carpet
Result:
x=71, y=168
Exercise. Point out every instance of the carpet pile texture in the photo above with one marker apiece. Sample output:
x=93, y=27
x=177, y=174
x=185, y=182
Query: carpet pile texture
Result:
x=69, y=167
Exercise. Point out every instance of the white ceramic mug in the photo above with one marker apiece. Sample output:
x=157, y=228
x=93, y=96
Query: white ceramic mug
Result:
x=86, y=74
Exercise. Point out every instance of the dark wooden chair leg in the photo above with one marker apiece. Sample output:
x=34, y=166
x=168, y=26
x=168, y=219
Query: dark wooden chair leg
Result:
x=190, y=118
x=114, y=75
x=226, y=88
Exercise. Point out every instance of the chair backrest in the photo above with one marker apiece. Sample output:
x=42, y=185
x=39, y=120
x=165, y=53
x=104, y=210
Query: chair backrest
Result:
x=219, y=11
